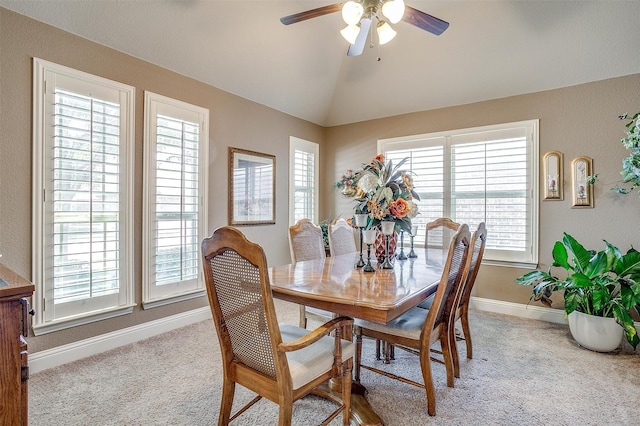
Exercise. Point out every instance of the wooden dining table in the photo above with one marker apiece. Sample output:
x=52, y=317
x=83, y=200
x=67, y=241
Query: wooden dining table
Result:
x=335, y=284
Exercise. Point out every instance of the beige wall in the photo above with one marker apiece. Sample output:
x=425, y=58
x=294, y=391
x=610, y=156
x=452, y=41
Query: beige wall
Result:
x=579, y=120
x=234, y=122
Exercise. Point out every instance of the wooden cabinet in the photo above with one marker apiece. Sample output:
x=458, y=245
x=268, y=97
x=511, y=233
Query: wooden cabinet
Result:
x=14, y=367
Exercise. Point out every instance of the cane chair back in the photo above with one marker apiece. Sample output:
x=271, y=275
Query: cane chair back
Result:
x=341, y=238
x=418, y=329
x=305, y=243
x=282, y=363
x=439, y=232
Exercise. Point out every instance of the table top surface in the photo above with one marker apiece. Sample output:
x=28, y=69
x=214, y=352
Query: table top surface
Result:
x=336, y=285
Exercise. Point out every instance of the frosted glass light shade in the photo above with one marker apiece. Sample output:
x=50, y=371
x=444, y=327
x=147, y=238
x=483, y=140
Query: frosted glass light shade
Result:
x=361, y=219
x=350, y=33
x=385, y=33
x=393, y=10
x=352, y=12
x=387, y=227
x=369, y=236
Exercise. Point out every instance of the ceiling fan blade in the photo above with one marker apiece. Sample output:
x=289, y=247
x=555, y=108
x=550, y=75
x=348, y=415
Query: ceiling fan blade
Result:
x=424, y=21
x=313, y=13
x=357, y=48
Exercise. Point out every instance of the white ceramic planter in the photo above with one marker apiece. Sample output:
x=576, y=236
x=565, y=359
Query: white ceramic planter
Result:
x=596, y=333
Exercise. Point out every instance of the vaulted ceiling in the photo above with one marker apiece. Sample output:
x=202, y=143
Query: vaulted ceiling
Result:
x=492, y=49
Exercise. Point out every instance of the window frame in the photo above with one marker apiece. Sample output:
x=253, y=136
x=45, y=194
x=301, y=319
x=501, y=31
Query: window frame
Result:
x=297, y=144
x=45, y=74
x=158, y=295
x=529, y=257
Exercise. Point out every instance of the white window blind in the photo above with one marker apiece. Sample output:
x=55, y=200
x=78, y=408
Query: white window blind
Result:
x=478, y=175
x=303, y=180
x=174, y=198
x=82, y=165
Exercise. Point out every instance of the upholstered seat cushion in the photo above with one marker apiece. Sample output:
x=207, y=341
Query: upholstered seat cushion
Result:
x=314, y=360
x=408, y=324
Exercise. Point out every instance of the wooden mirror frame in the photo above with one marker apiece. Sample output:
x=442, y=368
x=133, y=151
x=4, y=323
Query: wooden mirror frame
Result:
x=253, y=207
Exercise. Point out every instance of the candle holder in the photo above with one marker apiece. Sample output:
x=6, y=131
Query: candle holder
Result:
x=387, y=229
x=414, y=232
x=402, y=256
x=369, y=237
x=361, y=222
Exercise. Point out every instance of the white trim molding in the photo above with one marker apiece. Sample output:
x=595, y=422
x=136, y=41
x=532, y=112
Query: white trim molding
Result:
x=519, y=310
x=60, y=355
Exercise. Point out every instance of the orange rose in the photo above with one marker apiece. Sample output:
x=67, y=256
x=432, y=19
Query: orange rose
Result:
x=399, y=208
x=380, y=158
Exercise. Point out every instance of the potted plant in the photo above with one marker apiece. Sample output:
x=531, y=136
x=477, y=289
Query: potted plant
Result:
x=604, y=284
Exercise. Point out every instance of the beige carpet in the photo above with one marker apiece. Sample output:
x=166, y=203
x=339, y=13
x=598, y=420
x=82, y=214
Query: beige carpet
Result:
x=524, y=372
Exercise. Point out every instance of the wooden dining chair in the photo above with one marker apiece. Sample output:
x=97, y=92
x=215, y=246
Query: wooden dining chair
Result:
x=438, y=232
x=282, y=363
x=341, y=238
x=418, y=329
x=437, y=235
x=305, y=243
x=478, y=242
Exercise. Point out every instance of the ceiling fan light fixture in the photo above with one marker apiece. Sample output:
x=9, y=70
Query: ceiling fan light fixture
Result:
x=385, y=32
x=393, y=10
x=352, y=12
x=350, y=33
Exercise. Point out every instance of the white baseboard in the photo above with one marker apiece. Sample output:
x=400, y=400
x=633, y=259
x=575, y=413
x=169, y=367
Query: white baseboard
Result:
x=518, y=310
x=54, y=357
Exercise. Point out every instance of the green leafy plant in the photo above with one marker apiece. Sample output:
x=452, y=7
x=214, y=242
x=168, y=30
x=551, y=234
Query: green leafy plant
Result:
x=631, y=165
x=604, y=283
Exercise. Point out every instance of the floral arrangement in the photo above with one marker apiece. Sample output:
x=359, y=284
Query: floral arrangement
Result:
x=348, y=180
x=385, y=192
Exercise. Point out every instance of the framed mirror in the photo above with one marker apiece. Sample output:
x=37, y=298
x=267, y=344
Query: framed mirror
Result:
x=581, y=167
x=552, y=175
x=252, y=188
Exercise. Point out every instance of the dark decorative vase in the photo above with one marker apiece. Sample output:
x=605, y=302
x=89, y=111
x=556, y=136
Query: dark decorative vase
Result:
x=379, y=246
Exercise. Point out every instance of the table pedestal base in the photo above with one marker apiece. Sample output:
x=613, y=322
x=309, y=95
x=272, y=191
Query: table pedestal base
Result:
x=361, y=411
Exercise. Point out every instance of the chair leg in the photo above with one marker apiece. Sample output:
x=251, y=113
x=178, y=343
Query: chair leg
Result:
x=228, y=390
x=387, y=352
x=356, y=373
x=286, y=413
x=303, y=317
x=454, y=352
x=464, y=319
x=425, y=365
x=445, y=340
x=346, y=392
x=378, y=349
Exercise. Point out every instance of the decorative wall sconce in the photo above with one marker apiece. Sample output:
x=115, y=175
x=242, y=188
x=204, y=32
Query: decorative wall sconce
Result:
x=553, y=176
x=581, y=168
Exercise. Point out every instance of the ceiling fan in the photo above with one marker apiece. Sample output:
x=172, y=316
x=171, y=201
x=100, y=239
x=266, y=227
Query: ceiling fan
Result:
x=359, y=14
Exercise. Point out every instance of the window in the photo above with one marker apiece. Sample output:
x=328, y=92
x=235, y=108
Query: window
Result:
x=83, y=198
x=174, y=199
x=303, y=184
x=483, y=174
